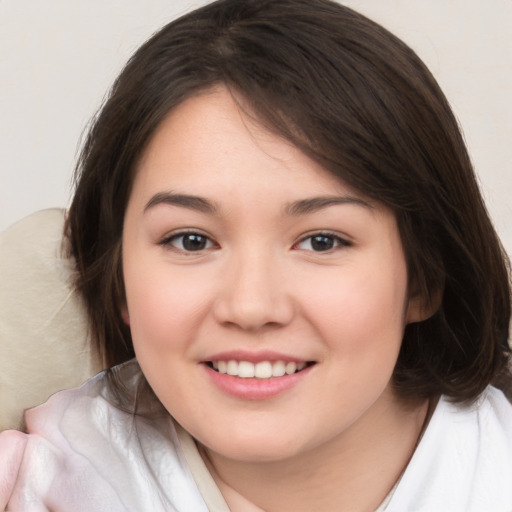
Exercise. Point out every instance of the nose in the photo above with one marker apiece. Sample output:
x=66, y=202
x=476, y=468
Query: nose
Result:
x=253, y=295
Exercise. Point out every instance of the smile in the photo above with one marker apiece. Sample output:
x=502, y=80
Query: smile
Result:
x=261, y=370
x=256, y=376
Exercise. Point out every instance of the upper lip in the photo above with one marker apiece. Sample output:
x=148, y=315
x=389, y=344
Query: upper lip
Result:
x=255, y=357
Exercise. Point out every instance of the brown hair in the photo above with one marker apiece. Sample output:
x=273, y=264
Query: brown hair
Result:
x=354, y=98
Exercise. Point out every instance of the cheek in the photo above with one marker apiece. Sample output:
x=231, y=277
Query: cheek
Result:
x=164, y=306
x=362, y=308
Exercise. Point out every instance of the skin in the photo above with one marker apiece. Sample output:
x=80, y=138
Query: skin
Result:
x=338, y=438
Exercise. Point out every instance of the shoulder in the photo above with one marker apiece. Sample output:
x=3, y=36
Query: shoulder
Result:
x=86, y=450
x=482, y=430
x=12, y=448
x=91, y=406
x=464, y=460
x=498, y=407
x=51, y=464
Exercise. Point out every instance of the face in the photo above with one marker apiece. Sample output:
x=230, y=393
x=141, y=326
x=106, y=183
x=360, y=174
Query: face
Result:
x=266, y=299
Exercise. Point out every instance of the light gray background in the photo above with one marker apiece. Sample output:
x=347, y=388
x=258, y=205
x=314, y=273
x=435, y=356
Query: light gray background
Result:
x=58, y=58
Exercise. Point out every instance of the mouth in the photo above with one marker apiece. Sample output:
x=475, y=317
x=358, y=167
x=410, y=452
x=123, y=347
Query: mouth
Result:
x=260, y=370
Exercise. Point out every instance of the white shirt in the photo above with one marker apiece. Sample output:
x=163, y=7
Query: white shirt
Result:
x=83, y=454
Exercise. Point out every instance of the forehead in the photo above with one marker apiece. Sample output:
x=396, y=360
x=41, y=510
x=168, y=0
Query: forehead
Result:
x=212, y=139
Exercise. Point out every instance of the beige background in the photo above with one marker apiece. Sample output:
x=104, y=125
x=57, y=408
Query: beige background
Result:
x=58, y=57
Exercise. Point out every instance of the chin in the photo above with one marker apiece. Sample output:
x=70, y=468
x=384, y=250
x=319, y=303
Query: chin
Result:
x=256, y=448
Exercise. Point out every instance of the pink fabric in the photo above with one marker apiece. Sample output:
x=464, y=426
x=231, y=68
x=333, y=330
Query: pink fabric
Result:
x=12, y=447
x=83, y=454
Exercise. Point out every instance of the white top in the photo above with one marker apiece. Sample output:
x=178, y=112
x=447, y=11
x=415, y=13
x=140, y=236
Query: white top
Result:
x=84, y=454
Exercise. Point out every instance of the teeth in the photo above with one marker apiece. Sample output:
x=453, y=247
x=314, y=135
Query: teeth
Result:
x=261, y=370
x=232, y=368
x=290, y=368
x=278, y=369
x=246, y=370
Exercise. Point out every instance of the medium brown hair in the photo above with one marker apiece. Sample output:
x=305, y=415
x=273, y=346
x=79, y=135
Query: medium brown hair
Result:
x=357, y=100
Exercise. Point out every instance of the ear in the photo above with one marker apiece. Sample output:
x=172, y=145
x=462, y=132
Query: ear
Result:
x=125, y=315
x=421, y=307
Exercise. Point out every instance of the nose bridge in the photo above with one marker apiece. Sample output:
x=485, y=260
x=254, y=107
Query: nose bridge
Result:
x=253, y=294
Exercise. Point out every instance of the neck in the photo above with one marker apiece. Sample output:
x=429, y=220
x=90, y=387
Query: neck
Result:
x=354, y=471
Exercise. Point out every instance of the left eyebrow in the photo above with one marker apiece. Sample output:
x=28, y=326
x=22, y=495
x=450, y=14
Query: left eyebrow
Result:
x=313, y=204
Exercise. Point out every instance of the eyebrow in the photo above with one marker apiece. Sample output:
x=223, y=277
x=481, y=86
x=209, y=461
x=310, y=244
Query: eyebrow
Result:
x=314, y=204
x=296, y=208
x=184, y=200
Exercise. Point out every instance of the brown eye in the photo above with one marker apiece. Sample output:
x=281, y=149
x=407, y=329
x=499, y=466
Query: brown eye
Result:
x=194, y=242
x=189, y=242
x=322, y=242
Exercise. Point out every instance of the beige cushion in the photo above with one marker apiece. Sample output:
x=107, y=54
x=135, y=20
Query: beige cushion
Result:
x=44, y=344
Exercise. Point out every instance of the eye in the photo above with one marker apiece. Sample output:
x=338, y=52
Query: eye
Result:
x=188, y=242
x=322, y=242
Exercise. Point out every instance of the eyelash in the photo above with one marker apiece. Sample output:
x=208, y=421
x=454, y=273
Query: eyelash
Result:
x=332, y=238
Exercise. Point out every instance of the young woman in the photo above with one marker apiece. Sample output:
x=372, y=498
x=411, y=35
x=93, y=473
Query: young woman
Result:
x=276, y=215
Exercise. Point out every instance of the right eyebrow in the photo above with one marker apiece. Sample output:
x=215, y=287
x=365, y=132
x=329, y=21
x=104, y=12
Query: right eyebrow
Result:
x=196, y=203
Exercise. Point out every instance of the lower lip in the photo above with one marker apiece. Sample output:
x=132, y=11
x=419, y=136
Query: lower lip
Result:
x=255, y=389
